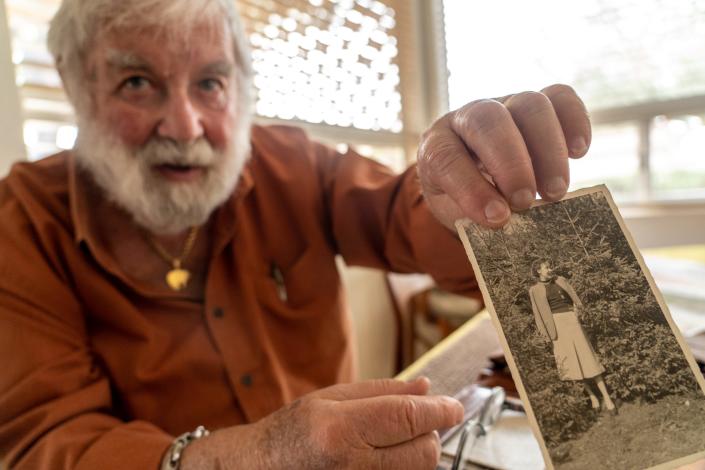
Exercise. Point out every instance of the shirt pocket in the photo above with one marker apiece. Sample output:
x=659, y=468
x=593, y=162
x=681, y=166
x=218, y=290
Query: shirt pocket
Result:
x=310, y=323
x=306, y=287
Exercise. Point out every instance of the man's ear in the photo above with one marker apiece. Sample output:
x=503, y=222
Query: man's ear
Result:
x=62, y=75
x=79, y=96
x=70, y=93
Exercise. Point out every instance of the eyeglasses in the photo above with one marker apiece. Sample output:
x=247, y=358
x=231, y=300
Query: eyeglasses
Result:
x=478, y=425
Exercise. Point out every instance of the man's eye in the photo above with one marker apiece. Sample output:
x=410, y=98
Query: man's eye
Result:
x=210, y=84
x=136, y=83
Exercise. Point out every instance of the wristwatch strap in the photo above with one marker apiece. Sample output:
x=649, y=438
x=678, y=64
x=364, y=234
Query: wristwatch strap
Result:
x=172, y=458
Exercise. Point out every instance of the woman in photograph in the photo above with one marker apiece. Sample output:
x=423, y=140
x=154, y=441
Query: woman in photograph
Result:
x=555, y=305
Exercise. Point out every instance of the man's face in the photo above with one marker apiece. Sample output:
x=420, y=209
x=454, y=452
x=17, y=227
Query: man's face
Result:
x=162, y=134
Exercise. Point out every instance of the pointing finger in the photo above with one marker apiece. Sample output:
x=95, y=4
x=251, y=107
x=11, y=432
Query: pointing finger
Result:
x=391, y=420
x=422, y=452
x=373, y=388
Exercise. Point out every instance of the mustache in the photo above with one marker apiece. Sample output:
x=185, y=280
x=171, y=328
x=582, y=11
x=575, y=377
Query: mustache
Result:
x=160, y=151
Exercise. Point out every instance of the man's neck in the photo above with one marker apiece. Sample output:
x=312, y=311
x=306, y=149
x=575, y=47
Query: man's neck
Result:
x=136, y=255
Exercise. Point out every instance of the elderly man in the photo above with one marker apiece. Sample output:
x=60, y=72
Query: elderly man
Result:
x=176, y=269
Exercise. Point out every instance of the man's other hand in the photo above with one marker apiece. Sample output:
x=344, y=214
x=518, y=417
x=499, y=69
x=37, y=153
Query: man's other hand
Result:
x=491, y=156
x=379, y=424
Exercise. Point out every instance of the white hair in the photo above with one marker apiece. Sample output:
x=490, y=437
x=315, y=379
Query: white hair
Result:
x=162, y=208
x=78, y=22
x=122, y=172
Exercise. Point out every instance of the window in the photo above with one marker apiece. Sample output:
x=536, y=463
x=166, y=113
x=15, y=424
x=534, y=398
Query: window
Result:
x=677, y=145
x=636, y=63
x=329, y=66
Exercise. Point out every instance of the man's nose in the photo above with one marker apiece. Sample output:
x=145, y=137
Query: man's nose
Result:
x=181, y=121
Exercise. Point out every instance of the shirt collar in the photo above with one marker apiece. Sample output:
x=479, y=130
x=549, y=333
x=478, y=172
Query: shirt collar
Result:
x=78, y=197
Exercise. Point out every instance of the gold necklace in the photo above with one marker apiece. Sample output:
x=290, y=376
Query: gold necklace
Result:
x=177, y=278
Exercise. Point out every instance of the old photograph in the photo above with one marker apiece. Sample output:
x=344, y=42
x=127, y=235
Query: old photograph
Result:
x=605, y=374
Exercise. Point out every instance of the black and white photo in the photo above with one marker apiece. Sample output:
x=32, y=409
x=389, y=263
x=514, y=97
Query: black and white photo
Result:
x=606, y=376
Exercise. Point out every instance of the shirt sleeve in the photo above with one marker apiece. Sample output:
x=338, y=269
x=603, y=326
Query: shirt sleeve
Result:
x=537, y=315
x=56, y=408
x=380, y=219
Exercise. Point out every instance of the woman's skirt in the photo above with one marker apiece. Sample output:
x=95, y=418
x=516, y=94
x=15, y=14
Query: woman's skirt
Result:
x=575, y=358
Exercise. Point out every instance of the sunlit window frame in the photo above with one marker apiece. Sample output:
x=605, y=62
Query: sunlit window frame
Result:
x=642, y=116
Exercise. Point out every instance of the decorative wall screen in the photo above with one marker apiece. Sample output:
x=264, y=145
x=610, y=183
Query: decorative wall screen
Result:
x=325, y=61
x=332, y=62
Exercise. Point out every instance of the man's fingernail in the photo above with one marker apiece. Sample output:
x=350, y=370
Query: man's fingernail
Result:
x=450, y=400
x=522, y=198
x=496, y=212
x=578, y=146
x=455, y=404
x=556, y=188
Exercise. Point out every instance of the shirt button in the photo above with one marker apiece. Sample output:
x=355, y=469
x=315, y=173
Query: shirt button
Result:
x=246, y=380
x=218, y=312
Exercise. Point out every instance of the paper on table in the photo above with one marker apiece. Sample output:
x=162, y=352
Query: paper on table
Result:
x=682, y=283
x=697, y=347
x=690, y=319
x=509, y=445
x=678, y=278
x=456, y=362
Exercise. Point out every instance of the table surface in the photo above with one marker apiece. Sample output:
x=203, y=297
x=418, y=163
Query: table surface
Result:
x=685, y=252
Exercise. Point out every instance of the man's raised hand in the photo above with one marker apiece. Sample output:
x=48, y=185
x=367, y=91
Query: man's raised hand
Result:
x=491, y=156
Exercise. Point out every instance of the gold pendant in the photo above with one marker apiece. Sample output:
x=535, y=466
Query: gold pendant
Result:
x=177, y=278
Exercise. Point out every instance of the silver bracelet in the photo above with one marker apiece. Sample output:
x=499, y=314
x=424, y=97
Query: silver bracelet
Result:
x=172, y=458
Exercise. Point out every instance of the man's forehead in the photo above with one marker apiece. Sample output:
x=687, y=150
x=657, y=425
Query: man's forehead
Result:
x=134, y=46
x=124, y=59
x=120, y=59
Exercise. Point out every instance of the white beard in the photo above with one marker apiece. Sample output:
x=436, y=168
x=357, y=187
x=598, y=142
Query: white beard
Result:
x=163, y=207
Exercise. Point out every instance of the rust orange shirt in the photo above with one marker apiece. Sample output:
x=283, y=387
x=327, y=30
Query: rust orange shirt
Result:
x=99, y=372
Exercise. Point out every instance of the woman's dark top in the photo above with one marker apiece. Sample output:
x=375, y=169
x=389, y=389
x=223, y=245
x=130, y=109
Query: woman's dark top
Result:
x=558, y=299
